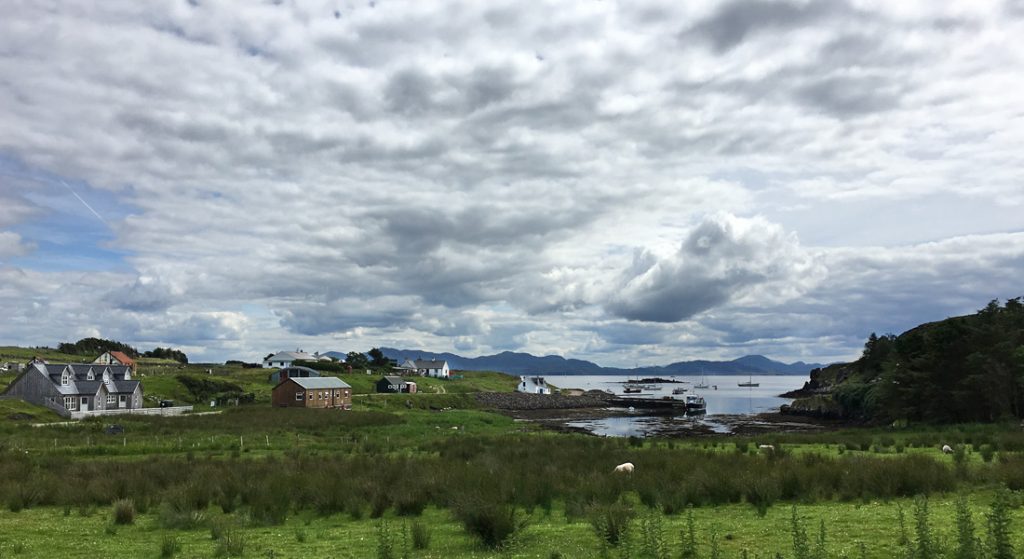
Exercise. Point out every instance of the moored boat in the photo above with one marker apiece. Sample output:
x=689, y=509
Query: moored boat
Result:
x=695, y=404
x=750, y=383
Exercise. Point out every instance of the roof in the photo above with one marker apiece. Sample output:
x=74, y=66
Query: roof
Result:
x=539, y=381
x=120, y=356
x=307, y=370
x=292, y=356
x=313, y=383
x=431, y=363
x=394, y=380
x=80, y=371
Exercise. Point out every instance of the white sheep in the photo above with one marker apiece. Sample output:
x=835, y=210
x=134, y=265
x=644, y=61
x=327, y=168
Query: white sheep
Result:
x=626, y=468
x=946, y=449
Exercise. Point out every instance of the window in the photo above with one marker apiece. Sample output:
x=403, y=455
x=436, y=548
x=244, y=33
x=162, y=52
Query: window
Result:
x=69, y=403
x=111, y=399
x=310, y=395
x=299, y=395
x=65, y=379
x=89, y=375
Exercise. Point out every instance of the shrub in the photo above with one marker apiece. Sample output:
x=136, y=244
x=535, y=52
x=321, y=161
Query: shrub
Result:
x=998, y=544
x=230, y=544
x=801, y=548
x=493, y=523
x=385, y=543
x=611, y=522
x=169, y=546
x=966, y=543
x=925, y=544
x=762, y=492
x=173, y=515
x=688, y=549
x=420, y=535
x=652, y=536
x=987, y=452
x=124, y=511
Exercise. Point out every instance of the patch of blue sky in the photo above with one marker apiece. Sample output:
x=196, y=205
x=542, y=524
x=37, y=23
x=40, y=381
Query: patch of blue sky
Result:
x=67, y=234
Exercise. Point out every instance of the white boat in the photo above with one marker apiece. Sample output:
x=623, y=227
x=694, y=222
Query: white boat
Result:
x=679, y=390
x=702, y=384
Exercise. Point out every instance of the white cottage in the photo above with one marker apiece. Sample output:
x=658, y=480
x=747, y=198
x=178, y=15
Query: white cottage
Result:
x=533, y=385
x=437, y=368
x=283, y=359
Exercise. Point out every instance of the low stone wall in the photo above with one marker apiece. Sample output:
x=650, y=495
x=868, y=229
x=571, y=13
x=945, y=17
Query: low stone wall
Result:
x=176, y=410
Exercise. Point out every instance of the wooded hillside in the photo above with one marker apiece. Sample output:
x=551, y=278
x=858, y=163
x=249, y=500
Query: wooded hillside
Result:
x=967, y=368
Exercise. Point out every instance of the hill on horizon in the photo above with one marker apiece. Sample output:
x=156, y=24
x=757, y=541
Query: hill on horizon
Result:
x=518, y=363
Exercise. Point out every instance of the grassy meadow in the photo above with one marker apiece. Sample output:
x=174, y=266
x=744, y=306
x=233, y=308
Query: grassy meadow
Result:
x=433, y=475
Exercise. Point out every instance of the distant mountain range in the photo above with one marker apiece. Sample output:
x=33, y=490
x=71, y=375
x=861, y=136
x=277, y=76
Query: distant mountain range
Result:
x=526, y=364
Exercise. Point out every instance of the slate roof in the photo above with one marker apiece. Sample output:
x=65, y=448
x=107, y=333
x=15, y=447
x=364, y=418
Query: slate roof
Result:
x=292, y=356
x=80, y=371
x=430, y=363
x=122, y=386
x=313, y=383
x=397, y=381
x=80, y=383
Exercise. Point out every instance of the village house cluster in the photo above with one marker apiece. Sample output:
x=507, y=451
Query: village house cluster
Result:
x=71, y=389
x=107, y=385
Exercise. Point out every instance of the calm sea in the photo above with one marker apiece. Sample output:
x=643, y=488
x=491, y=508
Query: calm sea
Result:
x=723, y=396
x=727, y=398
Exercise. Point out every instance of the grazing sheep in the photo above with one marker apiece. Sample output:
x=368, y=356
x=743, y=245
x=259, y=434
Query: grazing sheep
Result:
x=946, y=449
x=766, y=448
x=626, y=468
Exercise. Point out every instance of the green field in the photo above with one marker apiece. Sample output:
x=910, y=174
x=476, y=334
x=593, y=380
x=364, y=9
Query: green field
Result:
x=255, y=481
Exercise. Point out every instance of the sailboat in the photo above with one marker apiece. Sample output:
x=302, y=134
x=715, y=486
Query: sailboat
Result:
x=750, y=383
x=702, y=383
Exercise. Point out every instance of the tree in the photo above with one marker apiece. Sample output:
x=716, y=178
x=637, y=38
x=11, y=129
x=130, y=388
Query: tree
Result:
x=96, y=346
x=357, y=360
x=377, y=358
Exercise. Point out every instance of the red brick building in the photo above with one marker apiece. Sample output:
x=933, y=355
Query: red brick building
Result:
x=312, y=392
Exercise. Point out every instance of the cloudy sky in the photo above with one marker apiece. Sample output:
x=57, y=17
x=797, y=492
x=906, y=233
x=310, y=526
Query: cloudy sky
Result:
x=626, y=182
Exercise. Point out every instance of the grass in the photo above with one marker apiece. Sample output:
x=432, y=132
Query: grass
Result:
x=16, y=411
x=46, y=532
x=401, y=461
x=159, y=382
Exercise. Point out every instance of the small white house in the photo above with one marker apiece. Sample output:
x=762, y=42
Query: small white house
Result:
x=283, y=359
x=533, y=385
x=437, y=368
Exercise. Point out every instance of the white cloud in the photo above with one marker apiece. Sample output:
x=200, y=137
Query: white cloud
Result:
x=723, y=259
x=479, y=175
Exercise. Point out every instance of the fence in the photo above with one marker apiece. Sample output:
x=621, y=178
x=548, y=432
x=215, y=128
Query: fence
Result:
x=176, y=410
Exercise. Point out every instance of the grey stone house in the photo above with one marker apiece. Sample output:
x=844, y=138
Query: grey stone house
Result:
x=67, y=388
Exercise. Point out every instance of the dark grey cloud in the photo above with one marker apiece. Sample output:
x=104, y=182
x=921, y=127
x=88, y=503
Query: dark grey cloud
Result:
x=348, y=314
x=143, y=295
x=735, y=21
x=846, y=96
